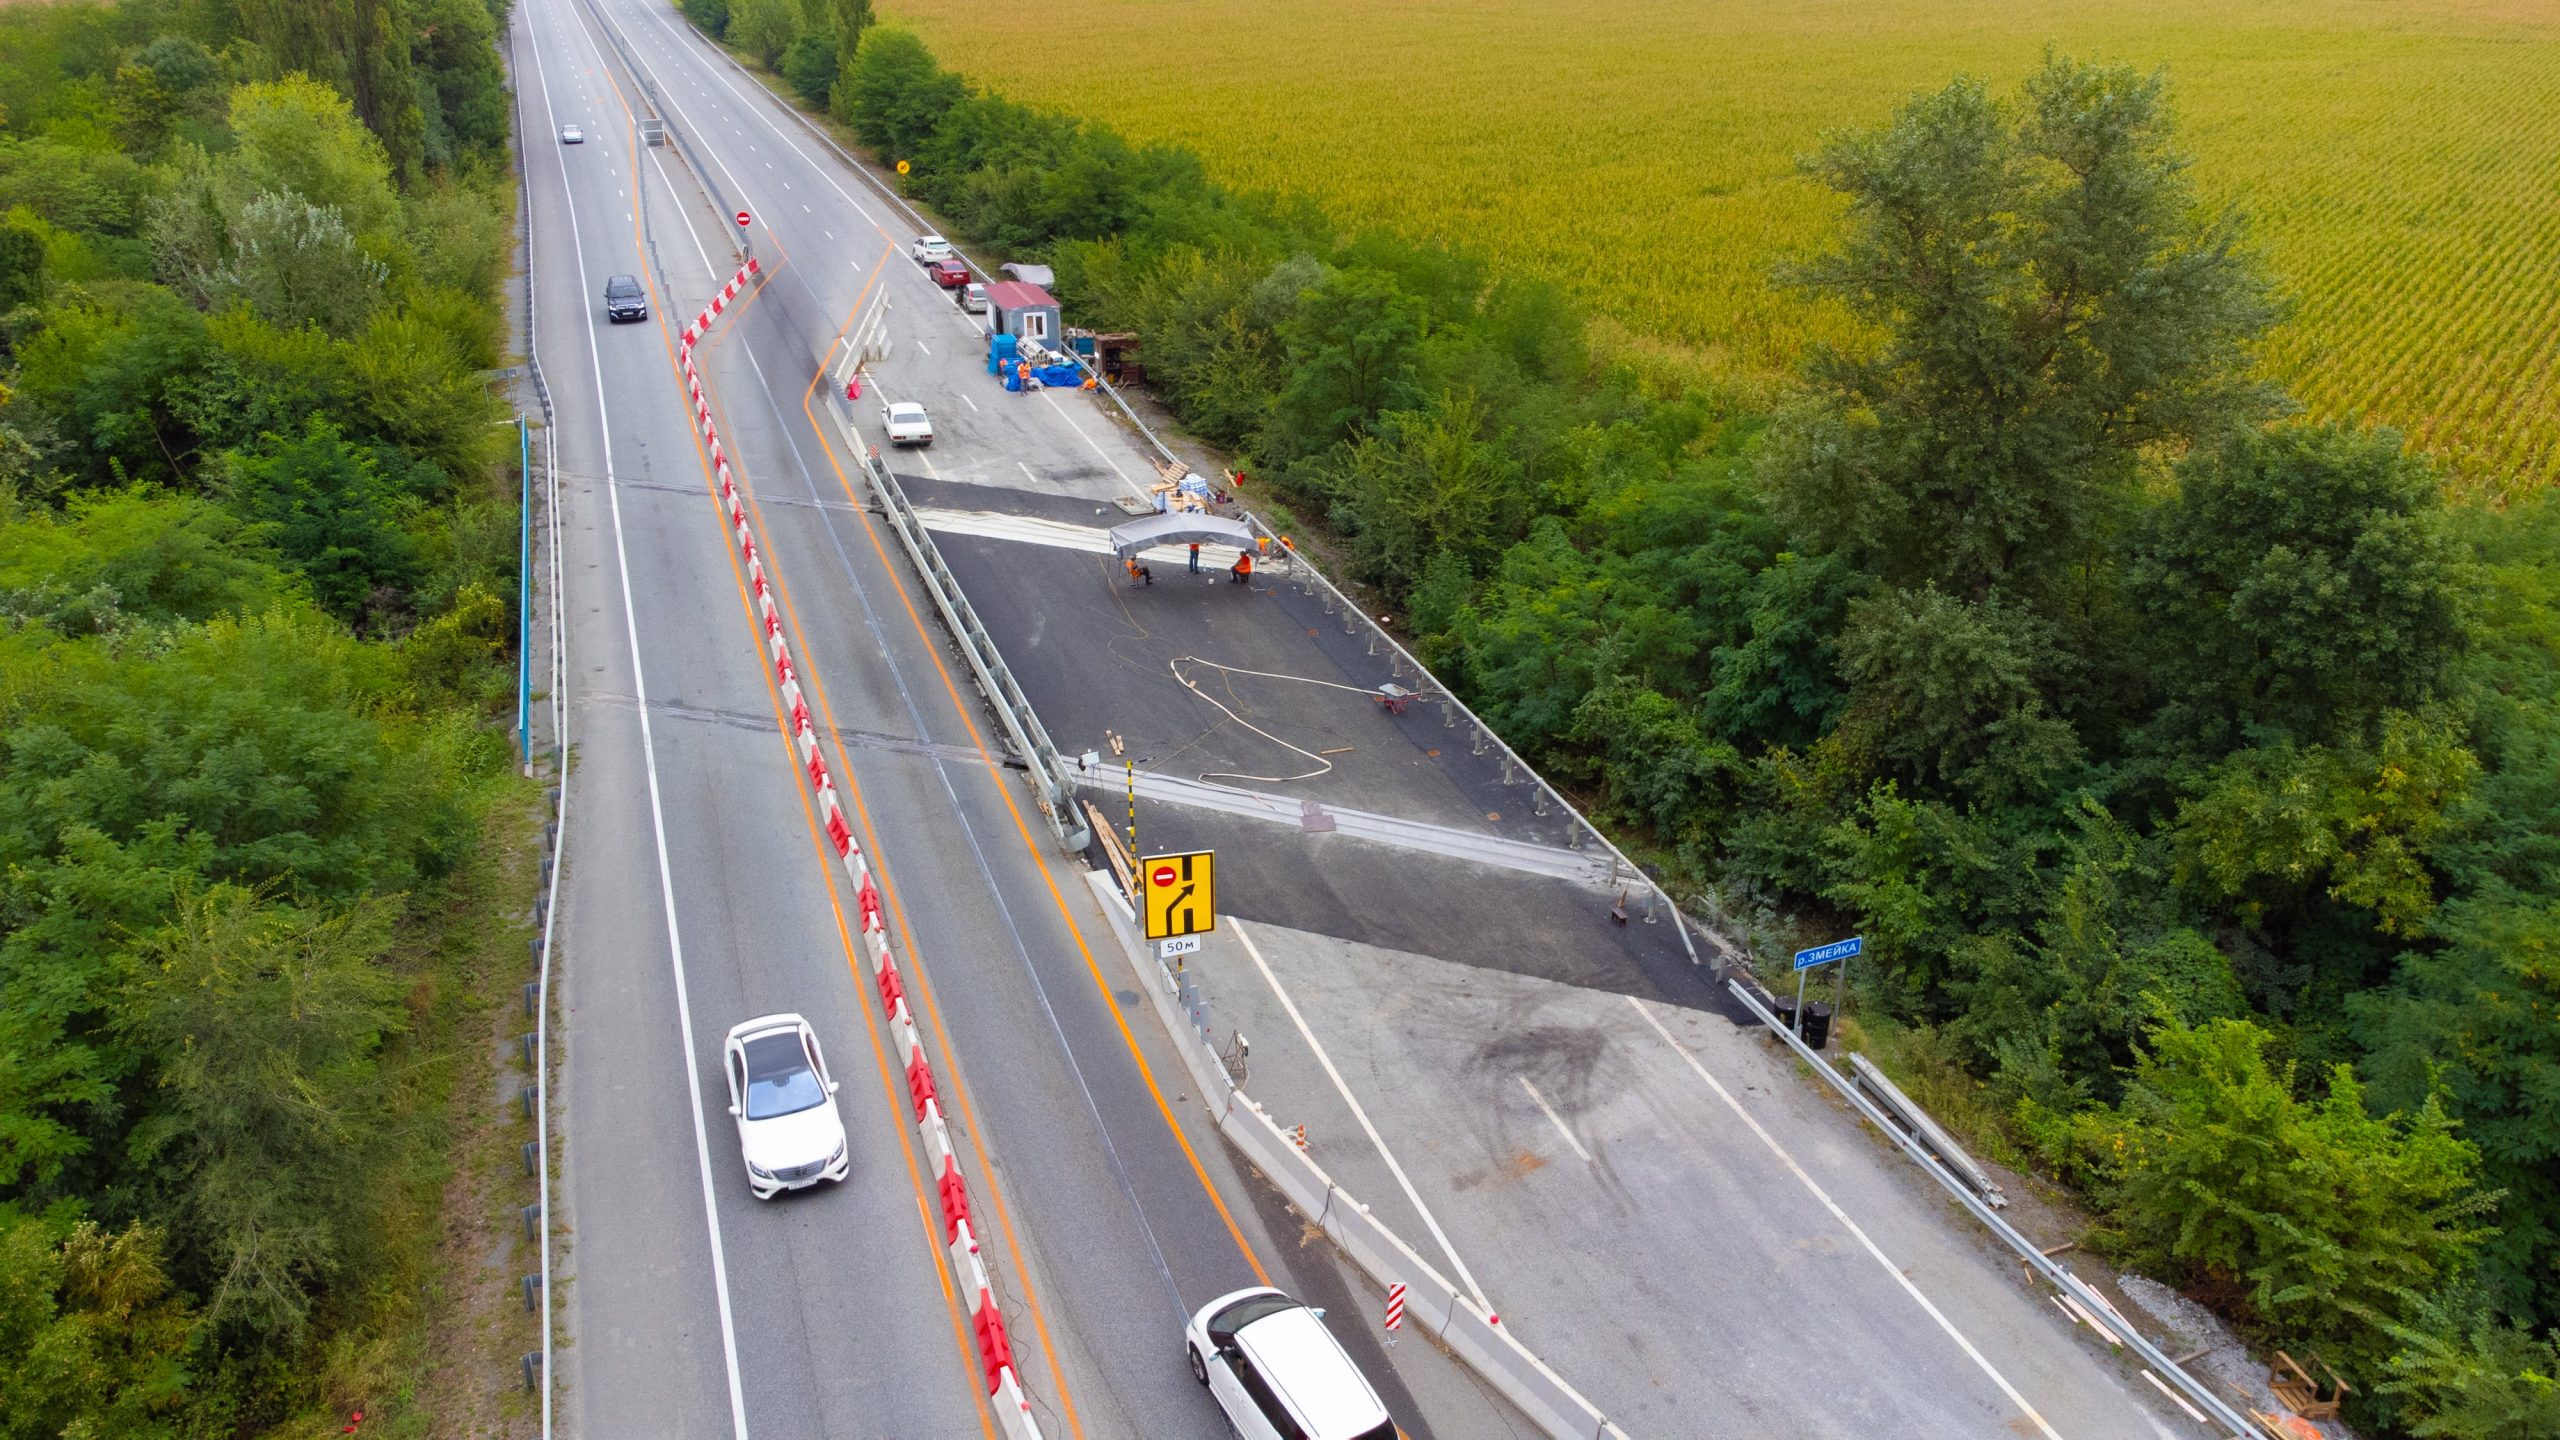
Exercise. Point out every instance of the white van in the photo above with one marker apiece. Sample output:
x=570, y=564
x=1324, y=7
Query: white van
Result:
x=1278, y=1373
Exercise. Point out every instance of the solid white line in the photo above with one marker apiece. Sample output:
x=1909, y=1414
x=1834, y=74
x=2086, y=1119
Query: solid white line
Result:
x=657, y=812
x=1088, y=439
x=1850, y=1225
x=920, y=348
x=972, y=404
x=1359, y=1114
x=1554, y=1119
x=1026, y=472
x=689, y=229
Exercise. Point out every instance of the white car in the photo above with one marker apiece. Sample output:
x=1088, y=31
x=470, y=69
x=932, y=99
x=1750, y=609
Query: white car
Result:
x=785, y=1105
x=572, y=135
x=906, y=423
x=932, y=250
x=1278, y=1372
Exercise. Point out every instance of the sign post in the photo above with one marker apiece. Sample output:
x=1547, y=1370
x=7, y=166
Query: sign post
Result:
x=747, y=238
x=1820, y=955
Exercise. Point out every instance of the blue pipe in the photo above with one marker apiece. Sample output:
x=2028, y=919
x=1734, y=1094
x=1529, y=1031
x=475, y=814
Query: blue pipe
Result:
x=524, y=594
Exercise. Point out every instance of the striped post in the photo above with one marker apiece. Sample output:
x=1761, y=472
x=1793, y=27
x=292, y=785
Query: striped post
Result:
x=1395, y=1310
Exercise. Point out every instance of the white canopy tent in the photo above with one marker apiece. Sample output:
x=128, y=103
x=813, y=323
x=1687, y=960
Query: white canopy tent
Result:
x=1179, y=528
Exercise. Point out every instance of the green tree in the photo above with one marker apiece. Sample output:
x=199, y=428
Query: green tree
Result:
x=266, y=1025
x=2054, y=303
x=809, y=64
x=1437, y=478
x=96, y=1344
x=299, y=135
x=2466, y=1376
x=711, y=17
x=356, y=48
x=2305, y=584
x=2324, y=1222
x=2270, y=827
x=330, y=511
x=294, y=264
x=1948, y=694
x=1352, y=346
x=455, y=54
x=762, y=28
x=892, y=92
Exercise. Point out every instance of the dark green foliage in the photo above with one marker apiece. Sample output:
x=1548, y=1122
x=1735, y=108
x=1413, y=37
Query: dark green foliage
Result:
x=810, y=65
x=2312, y=579
x=1351, y=344
x=241, y=418
x=711, y=16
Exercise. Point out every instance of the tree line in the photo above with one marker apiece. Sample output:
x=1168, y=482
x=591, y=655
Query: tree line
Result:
x=257, y=594
x=2193, y=768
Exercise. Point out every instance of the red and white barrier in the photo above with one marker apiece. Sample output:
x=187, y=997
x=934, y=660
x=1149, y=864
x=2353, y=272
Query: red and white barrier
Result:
x=960, y=1239
x=1395, y=1310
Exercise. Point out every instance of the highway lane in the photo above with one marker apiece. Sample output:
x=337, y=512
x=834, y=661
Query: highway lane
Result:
x=1120, y=1218
x=1059, y=446
x=694, y=895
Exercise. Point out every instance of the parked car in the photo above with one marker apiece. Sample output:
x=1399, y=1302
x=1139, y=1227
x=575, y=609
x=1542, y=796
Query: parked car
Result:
x=784, y=1100
x=931, y=249
x=906, y=423
x=572, y=135
x=949, y=274
x=972, y=298
x=1278, y=1372
x=624, y=299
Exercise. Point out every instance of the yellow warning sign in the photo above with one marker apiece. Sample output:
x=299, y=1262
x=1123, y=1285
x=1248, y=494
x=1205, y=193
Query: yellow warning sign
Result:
x=1179, y=893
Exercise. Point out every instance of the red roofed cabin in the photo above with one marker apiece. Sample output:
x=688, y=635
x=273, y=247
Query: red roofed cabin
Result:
x=1026, y=311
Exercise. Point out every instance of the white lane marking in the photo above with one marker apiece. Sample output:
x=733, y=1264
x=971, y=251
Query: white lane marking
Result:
x=1843, y=1217
x=657, y=809
x=830, y=233
x=920, y=347
x=1026, y=472
x=690, y=229
x=1357, y=1113
x=964, y=399
x=1083, y=435
x=1552, y=1118
x=667, y=26
x=928, y=465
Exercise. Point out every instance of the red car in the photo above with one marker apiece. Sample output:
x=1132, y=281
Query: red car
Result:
x=949, y=274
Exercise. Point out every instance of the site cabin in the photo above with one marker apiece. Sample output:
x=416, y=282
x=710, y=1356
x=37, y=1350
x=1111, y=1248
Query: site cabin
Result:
x=949, y=274
x=1026, y=311
x=1114, y=354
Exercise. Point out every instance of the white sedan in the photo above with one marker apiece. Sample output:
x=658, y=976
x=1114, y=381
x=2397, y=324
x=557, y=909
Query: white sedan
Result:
x=572, y=135
x=932, y=250
x=785, y=1105
x=906, y=423
x=1278, y=1373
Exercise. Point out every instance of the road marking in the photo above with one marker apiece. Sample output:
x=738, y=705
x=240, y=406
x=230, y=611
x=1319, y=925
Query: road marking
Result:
x=1357, y=1113
x=964, y=399
x=1554, y=1119
x=708, y=268
x=920, y=348
x=657, y=813
x=1026, y=472
x=830, y=233
x=1088, y=439
x=1846, y=1223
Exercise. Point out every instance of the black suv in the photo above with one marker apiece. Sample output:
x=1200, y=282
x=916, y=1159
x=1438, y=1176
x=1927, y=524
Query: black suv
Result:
x=625, y=300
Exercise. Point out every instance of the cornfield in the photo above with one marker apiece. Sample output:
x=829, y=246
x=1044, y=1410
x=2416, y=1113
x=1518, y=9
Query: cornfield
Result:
x=2399, y=159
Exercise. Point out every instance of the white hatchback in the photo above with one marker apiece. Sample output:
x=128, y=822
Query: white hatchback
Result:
x=785, y=1104
x=906, y=423
x=1278, y=1372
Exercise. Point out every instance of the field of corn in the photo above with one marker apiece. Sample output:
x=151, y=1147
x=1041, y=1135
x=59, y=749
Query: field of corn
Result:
x=2399, y=159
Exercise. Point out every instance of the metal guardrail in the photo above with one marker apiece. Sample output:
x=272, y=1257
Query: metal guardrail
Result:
x=2204, y=1396
x=1029, y=738
x=547, y=905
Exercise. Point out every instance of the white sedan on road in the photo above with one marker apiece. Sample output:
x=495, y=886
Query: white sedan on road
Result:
x=1278, y=1373
x=906, y=423
x=572, y=135
x=785, y=1105
x=932, y=250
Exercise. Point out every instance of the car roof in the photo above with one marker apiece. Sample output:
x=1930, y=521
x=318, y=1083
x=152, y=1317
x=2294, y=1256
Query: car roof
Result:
x=776, y=1052
x=901, y=406
x=1303, y=1361
x=622, y=282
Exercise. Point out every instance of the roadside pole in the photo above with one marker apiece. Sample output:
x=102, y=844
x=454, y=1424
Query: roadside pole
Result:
x=1837, y=952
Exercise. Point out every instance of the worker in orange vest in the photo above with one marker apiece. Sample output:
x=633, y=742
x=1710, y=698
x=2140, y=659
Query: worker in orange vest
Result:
x=1243, y=570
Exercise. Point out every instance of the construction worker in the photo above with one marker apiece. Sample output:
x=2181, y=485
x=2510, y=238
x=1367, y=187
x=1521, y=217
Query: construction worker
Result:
x=1195, y=557
x=1243, y=570
x=1139, y=574
x=1262, y=544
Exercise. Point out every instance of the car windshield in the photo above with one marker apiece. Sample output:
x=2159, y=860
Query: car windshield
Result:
x=779, y=1080
x=622, y=285
x=1224, y=1325
x=905, y=414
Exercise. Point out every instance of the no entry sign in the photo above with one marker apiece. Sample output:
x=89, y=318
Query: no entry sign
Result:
x=1163, y=875
x=743, y=219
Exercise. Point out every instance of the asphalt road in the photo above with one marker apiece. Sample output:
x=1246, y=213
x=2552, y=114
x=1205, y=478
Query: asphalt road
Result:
x=697, y=890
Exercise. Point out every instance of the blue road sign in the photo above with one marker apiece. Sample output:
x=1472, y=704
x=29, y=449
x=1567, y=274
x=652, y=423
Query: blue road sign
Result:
x=1825, y=954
